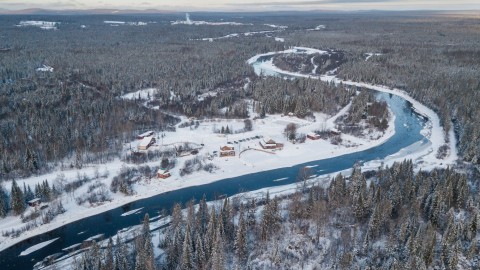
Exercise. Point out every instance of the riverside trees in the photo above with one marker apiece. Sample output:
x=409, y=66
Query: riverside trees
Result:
x=392, y=217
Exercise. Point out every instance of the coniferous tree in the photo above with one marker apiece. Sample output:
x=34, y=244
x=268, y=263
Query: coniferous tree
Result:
x=122, y=260
x=3, y=202
x=202, y=215
x=210, y=233
x=200, y=256
x=109, y=263
x=144, y=248
x=187, y=261
x=17, y=199
x=241, y=250
x=28, y=193
x=218, y=256
x=251, y=217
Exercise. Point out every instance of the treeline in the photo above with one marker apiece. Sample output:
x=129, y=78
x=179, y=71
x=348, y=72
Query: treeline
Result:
x=392, y=218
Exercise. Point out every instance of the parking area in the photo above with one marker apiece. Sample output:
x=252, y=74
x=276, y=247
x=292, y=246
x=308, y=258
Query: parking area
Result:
x=258, y=137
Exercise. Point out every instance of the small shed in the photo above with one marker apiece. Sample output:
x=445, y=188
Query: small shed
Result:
x=163, y=174
x=313, y=136
x=146, y=142
x=34, y=202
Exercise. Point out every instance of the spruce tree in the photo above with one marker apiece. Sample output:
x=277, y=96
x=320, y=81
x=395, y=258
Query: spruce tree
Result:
x=218, y=256
x=28, y=193
x=241, y=238
x=122, y=260
x=144, y=248
x=109, y=257
x=18, y=199
x=251, y=217
x=187, y=252
x=200, y=256
x=3, y=202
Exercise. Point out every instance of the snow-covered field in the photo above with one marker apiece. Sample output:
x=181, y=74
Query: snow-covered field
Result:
x=249, y=162
x=236, y=35
x=40, y=24
x=116, y=23
x=188, y=21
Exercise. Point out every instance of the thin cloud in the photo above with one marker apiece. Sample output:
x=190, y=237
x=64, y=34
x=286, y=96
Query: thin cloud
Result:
x=319, y=2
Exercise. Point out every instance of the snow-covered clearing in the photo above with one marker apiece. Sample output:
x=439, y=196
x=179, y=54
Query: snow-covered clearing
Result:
x=37, y=247
x=117, y=23
x=369, y=55
x=317, y=28
x=45, y=25
x=236, y=35
x=188, y=21
x=279, y=39
x=143, y=94
x=276, y=26
x=45, y=68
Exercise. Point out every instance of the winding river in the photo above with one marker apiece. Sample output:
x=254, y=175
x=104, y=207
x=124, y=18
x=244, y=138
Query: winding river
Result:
x=408, y=125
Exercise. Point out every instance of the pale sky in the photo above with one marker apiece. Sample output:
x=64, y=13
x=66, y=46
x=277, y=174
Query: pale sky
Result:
x=247, y=5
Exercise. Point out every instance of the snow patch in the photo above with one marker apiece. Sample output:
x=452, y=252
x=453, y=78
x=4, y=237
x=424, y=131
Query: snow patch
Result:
x=131, y=212
x=45, y=68
x=189, y=21
x=143, y=94
x=37, y=247
x=369, y=55
x=45, y=25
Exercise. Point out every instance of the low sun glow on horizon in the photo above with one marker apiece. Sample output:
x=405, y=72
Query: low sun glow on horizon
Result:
x=248, y=5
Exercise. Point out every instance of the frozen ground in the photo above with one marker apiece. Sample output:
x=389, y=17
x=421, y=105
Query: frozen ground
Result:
x=40, y=24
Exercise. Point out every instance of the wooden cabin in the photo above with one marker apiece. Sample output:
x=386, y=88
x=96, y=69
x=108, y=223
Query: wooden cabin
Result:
x=313, y=136
x=34, y=203
x=163, y=174
x=269, y=143
x=227, y=151
x=146, y=142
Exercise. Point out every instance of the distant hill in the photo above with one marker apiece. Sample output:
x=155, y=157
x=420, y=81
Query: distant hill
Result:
x=80, y=11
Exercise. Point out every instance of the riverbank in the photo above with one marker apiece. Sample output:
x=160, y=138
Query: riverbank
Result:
x=249, y=162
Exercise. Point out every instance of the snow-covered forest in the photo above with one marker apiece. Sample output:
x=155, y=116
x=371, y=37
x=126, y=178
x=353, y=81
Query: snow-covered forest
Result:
x=77, y=92
x=391, y=218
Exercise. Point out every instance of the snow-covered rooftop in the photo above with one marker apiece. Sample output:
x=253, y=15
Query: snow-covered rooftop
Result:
x=145, y=141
